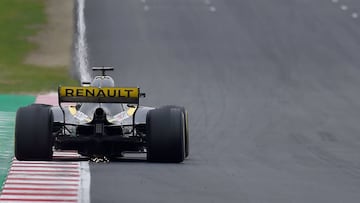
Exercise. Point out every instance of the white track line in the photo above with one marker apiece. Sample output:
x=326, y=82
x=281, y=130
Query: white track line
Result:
x=84, y=194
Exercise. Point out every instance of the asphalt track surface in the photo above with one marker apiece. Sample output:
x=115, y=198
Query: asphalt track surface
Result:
x=272, y=89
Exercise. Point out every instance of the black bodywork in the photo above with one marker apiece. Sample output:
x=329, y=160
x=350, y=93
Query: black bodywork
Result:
x=100, y=136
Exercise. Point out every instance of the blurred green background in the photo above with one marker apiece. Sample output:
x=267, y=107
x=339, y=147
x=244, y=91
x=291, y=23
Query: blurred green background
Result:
x=20, y=20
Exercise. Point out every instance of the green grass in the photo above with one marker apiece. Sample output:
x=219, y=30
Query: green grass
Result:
x=19, y=20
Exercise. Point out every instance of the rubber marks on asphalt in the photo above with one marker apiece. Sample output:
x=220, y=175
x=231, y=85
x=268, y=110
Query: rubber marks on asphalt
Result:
x=345, y=7
x=60, y=180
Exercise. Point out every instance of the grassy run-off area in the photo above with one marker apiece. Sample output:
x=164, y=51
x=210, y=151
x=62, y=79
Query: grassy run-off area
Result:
x=19, y=20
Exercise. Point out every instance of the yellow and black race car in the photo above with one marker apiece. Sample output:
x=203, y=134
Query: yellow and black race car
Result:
x=102, y=120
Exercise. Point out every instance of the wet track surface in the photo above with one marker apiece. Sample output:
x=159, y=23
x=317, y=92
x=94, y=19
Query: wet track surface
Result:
x=272, y=90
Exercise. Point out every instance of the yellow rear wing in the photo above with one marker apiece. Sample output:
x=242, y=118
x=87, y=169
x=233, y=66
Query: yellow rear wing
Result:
x=128, y=95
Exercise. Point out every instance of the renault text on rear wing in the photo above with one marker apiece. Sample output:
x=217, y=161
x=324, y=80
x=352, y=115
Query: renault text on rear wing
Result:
x=99, y=95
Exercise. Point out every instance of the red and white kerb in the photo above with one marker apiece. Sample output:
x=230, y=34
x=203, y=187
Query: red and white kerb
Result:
x=44, y=181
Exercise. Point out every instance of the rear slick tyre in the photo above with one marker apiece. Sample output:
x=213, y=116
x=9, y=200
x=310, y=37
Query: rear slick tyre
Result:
x=186, y=123
x=33, y=133
x=166, y=135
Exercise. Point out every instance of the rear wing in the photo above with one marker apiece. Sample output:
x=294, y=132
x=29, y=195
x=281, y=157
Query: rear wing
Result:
x=103, y=69
x=127, y=95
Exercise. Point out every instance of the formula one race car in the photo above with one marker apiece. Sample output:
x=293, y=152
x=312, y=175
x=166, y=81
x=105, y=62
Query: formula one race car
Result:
x=102, y=120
